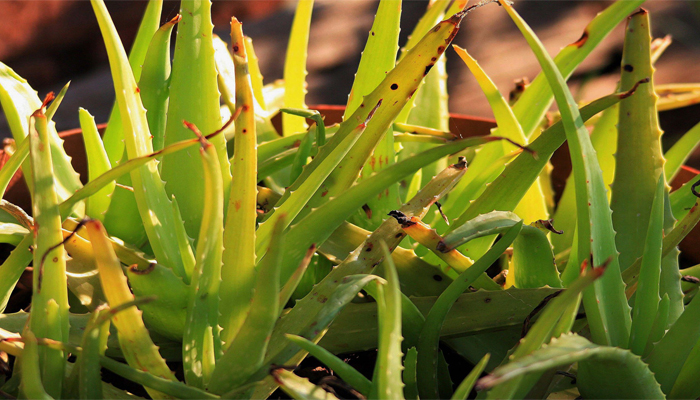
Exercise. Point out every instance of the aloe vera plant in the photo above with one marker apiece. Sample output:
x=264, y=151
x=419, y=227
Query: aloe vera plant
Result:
x=206, y=239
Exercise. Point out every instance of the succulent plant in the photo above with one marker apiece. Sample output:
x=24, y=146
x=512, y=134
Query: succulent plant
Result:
x=206, y=237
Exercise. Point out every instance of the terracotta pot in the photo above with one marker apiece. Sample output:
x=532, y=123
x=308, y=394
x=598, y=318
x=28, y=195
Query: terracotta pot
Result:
x=464, y=126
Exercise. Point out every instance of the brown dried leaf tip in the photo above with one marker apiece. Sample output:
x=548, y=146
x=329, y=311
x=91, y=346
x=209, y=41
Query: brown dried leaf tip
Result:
x=547, y=224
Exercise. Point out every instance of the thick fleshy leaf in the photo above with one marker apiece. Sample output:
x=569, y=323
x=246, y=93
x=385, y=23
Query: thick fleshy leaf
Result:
x=606, y=305
x=194, y=97
x=295, y=67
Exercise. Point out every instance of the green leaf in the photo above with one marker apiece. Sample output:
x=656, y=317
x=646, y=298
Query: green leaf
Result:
x=201, y=341
x=94, y=344
x=239, y=253
x=149, y=191
x=246, y=352
x=98, y=163
x=672, y=351
x=13, y=267
x=410, y=390
x=344, y=371
x=50, y=297
x=134, y=338
x=428, y=343
x=155, y=81
x=19, y=101
x=194, y=97
x=31, y=386
x=114, y=134
x=295, y=67
x=465, y=388
x=12, y=165
x=474, y=312
x=322, y=221
x=532, y=206
x=505, y=192
x=604, y=140
x=387, y=382
x=393, y=92
x=547, y=326
x=532, y=264
x=311, y=315
x=600, y=370
x=639, y=159
x=647, y=300
x=53, y=107
x=299, y=388
x=530, y=109
x=606, y=304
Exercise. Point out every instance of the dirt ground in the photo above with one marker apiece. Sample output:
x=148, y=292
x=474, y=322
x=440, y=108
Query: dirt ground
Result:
x=52, y=42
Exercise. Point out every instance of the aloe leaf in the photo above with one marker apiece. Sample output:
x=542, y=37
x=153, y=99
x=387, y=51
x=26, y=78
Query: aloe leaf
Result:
x=507, y=189
x=608, y=311
x=296, y=279
x=301, y=156
x=295, y=67
x=671, y=240
x=149, y=191
x=201, y=341
x=53, y=107
x=12, y=268
x=134, y=339
x=226, y=76
x=19, y=101
x=604, y=140
x=537, y=98
x=432, y=16
x=335, y=210
x=417, y=277
x=378, y=57
x=12, y=165
x=93, y=346
x=155, y=81
x=50, y=297
x=658, y=330
x=31, y=385
x=109, y=176
x=394, y=91
x=532, y=206
x=672, y=351
x=677, y=155
x=347, y=373
x=239, y=256
x=246, y=352
x=98, y=163
x=174, y=389
x=600, y=368
x=532, y=265
x=194, y=97
x=647, y=300
x=410, y=390
x=488, y=224
x=256, y=76
x=291, y=205
x=639, y=159
x=474, y=312
x=465, y=388
x=114, y=134
x=543, y=330
x=428, y=343
x=311, y=315
x=299, y=388
x=686, y=386
x=456, y=261
x=387, y=382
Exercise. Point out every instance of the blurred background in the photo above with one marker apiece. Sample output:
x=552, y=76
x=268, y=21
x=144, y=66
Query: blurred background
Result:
x=52, y=42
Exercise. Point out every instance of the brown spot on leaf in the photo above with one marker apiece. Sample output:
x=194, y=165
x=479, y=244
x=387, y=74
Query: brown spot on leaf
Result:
x=582, y=40
x=628, y=68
